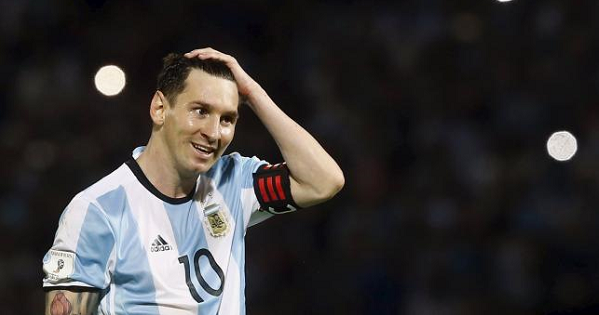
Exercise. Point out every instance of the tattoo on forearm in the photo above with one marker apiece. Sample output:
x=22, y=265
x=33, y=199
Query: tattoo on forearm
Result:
x=60, y=305
x=71, y=303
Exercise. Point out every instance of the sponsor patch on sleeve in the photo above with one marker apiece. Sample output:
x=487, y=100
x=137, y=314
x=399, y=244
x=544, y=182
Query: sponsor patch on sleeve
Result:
x=58, y=265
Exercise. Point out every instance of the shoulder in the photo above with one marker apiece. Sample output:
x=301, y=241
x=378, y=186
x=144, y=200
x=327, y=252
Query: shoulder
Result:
x=119, y=177
x=235, y=157
x=89, y=197
x=233, y=162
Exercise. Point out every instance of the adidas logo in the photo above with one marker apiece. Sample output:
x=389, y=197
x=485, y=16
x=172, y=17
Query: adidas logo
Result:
x=160, y=245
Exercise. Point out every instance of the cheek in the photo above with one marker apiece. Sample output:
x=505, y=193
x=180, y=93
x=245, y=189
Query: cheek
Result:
x=186, y=126
x=190, y=122
x=226, y=131
x=226, y=134
x=178, y=123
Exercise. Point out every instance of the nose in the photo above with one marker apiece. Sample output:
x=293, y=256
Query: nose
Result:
x=211, y=130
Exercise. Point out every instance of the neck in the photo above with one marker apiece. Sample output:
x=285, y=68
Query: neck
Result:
x=159, y=168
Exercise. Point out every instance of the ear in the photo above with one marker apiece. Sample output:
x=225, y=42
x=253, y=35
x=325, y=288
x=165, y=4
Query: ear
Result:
x=157, y=108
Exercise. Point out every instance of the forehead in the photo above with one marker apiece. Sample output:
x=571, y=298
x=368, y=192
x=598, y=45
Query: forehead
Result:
x=203, y=87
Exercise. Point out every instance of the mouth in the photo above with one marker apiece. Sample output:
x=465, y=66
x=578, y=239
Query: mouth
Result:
x=204, y=150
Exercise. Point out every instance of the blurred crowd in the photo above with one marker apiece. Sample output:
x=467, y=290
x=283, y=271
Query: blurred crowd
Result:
x=437, y=111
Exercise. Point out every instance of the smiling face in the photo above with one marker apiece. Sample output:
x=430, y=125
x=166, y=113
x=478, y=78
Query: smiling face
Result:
x=200, y=124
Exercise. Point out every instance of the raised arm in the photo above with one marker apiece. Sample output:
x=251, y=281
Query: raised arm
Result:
x=314, y=175
x=63, y=302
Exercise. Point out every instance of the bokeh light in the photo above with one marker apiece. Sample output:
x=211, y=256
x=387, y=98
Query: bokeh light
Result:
x=562, y=145
x=110, y=80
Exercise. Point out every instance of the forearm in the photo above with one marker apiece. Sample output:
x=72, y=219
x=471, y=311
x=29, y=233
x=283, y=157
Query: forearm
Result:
x=310, y=166
x=62, y=302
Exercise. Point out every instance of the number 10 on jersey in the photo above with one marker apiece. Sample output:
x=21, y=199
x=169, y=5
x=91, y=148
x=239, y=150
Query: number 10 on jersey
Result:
x=196, y=265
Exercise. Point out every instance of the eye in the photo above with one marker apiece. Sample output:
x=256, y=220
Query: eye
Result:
x=200, y=111
x=227, y=120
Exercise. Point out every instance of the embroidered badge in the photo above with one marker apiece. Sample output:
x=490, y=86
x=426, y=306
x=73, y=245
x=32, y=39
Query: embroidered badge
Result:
x=58, y=265
x=216, y=220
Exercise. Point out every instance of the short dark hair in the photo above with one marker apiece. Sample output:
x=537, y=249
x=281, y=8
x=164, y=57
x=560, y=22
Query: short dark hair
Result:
x=176, y=68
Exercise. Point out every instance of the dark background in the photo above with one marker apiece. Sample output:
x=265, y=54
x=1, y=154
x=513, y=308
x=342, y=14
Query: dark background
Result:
x=437, y=111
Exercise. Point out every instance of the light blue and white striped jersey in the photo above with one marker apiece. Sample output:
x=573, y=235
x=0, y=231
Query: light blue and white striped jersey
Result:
x=152, y=254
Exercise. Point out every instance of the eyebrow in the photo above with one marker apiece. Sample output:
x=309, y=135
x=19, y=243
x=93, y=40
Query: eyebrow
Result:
x=234, y=114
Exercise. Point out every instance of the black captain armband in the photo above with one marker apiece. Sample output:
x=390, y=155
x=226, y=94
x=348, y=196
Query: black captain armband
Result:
x=273, y=189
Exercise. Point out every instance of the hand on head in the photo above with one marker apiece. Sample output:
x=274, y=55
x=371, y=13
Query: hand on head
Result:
x=245, y=84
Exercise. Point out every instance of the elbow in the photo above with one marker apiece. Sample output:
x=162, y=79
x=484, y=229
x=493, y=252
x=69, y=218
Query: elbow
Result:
x=321, y=190
x=338, y=183
x=334, y=185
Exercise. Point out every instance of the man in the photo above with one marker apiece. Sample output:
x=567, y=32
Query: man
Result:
x=164, y=233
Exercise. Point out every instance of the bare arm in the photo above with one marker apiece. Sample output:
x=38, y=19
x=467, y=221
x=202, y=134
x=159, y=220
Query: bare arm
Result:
x=62, y=302
x=314, y=175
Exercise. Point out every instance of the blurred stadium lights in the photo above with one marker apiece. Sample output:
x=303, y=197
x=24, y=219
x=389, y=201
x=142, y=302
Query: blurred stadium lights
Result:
x=562, y=146
x=110, y=80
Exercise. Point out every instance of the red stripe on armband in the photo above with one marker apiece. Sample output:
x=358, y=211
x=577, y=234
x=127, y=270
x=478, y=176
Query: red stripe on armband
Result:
x=263, y=190
x=279, y=187
x=271, y=189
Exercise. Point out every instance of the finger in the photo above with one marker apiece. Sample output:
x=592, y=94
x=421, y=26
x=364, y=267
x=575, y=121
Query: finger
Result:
x=195, y=53
x=218, y=56
x=200, y=51
x=211, y=52
x=208, y=51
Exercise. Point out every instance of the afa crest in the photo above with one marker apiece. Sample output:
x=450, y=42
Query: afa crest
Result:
x=216, y=220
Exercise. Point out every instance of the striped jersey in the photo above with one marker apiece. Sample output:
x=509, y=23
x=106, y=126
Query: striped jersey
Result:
x=148, y=253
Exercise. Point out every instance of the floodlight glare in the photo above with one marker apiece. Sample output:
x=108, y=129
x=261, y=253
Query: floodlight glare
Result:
x=110, y=80
x=562, y=146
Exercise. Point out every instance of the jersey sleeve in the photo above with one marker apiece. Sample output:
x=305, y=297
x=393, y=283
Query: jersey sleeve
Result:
x=82, y=254
x=248, y=197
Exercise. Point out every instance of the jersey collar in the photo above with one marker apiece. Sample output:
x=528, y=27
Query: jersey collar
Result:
x=141, y=177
